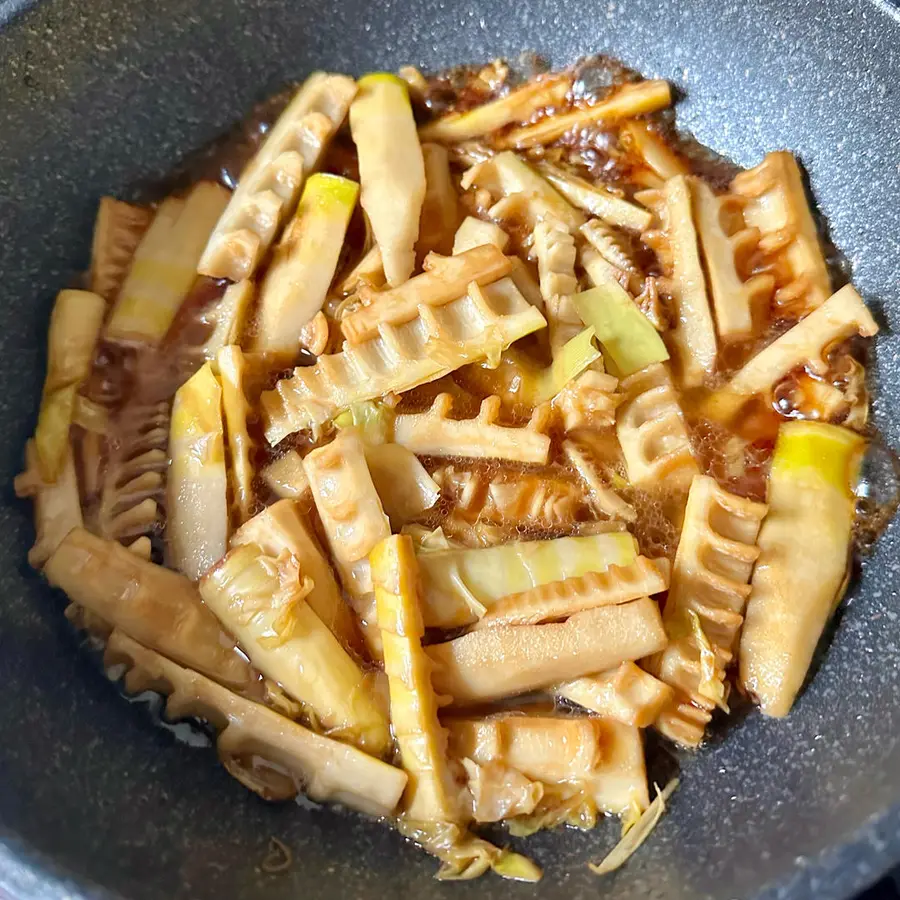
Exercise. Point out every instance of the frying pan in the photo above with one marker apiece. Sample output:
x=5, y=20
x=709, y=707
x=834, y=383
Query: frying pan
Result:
x=98, y=801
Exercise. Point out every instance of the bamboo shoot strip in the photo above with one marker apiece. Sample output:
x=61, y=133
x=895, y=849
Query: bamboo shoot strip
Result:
x=842, y=315
x=402, y=482
x=74, y=326
x=261, y=599
x=775, y=203
x=626, y=102
x=561, y=599
x=596, y=200
x=737, y=303
x=626, y=693
x=197, y=523
x=459, y=586
x=434, y=433
x=479, y=324
x=348, y=505
x=232, y=372
x=629, y=340
x=391, y=169
x=157, y=606
x=303, y=264
x=446, y=278
x=164, y=266
x=694, y=335
x=492, y=663
x=270, y=184
x=794, y=592
x=57, y=505
x=431, y=794
x=517, y=106
x=477, y=233
x=704, y=609
x=505, y=175
x=118, y=230
x=282, y=527
x=286, y=757
x=652, y=432
x=601, y=755
x=440, y=209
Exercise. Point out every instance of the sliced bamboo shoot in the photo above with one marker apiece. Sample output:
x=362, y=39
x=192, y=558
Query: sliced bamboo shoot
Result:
x=230, y=317
x=561, y=599
x=776, y=205
x=459, y=586
x=626, y=102
x=434, y=433
x=506, y=174
x=285, y=476
x=391, y=169
x=554, y=247
x=841, y=316
x=348, y=505
x=232, y=371
x=197, y=523
x=627, y=694
x=588, y=401
x=694, y=334
x=282, y=527
x=629, y=340
x=118, y=230
x=270, y=184
x=492, y=663
x=266, y=752
x=304, y=261
x=652, y=432
x=57, y=505
x=403, y=484
x=657, y=155
x=476, y=233
x=596, y=200
x=260, y=599
x=446, y=278
x=164, y=266
x=793, y=591
x=432, y=795
x=735, y=301
x=74, y=327
x=157, y=606
x=601, y=755
x=480, y=324
x=440, y=209
x=517, y=106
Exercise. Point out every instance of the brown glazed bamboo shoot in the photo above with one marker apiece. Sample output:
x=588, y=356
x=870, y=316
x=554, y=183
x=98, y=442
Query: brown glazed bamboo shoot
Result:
x=74, y=326
x=164, y=266
x=266, y=752
x=197, y=523
x=601, y=756
x=626, y=693
x=432, y=795
x=282, y=527
x=459, y=586
x=303, y=262
x=801, y=572
x=492, y=663
x=391, y=169
x=155, y=606
x=261, y=599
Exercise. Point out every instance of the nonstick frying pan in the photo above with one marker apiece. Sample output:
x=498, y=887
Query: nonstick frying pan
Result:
x=98, y=801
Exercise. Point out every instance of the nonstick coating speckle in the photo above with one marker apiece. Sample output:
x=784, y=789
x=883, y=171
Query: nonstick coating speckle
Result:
x=96, y=97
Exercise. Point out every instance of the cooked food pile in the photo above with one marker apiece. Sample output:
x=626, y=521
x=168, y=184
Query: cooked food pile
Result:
x=455, y=432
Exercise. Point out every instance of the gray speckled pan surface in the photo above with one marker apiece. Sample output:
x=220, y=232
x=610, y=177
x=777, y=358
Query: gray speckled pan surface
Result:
x=97, y=96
